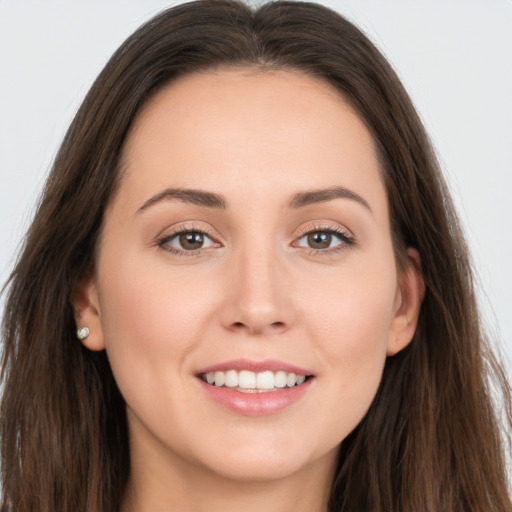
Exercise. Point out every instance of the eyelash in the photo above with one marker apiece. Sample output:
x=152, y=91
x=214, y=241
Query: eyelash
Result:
x=165, y=239
x=347, y=240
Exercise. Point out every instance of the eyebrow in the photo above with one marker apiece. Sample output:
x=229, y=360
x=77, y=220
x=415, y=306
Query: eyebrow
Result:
x=186, y=195
x=327, y=194
x=218, y=201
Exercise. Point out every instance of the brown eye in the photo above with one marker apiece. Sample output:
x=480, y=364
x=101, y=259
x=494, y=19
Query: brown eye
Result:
x=319, y=240
x=186, y=241
x=326, y=240
x=191, y=240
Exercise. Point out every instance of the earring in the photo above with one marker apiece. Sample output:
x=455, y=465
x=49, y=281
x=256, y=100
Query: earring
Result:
x=82, y=333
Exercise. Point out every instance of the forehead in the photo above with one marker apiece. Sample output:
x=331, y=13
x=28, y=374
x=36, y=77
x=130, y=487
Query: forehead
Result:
x=227, y=127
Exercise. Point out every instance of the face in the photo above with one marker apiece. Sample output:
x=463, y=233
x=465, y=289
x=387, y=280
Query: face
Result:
x=246, y=289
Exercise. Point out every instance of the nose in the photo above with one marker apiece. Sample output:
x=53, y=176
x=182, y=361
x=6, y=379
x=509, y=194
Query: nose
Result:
x=258, y=297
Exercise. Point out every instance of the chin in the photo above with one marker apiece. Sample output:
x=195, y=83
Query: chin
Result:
x=265, y=469
x=263, y=461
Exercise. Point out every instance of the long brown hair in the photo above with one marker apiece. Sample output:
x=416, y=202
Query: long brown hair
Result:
x=432, y=439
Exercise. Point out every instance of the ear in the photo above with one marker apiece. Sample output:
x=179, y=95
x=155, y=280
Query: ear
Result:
x=411, y=290
x=87, y=313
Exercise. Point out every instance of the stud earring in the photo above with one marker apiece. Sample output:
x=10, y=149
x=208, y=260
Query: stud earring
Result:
x=82, y=333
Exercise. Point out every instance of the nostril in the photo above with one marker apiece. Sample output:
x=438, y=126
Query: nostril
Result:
x=277, y=326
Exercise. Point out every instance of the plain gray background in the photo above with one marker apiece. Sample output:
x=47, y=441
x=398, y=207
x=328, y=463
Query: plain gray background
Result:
x=455, y=58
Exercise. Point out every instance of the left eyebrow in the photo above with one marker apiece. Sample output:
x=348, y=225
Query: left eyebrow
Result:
x=185, y=195
x=308, y=197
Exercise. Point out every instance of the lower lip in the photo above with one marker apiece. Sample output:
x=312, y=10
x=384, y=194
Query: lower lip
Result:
x=256, y=404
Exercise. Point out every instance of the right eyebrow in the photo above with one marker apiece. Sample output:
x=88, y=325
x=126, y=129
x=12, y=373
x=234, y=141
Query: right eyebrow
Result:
x=328, y=194
x=187, y=195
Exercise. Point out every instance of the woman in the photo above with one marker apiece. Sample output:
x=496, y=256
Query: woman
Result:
x=247, y=231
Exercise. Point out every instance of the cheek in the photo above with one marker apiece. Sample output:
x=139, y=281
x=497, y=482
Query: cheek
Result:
x=350, y=323
x=149, y=316
x=147, y=303
x=352, y=310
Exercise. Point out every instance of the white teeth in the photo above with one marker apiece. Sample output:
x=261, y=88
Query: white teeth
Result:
x=247, y=381
x=265, y=380
x=219, y=378
x=280, y=379
x=231, y=379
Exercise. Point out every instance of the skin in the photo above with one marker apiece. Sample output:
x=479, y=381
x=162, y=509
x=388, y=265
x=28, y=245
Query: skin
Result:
x=255, y=290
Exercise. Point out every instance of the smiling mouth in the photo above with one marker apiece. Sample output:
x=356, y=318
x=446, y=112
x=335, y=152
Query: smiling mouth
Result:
x=246, y=381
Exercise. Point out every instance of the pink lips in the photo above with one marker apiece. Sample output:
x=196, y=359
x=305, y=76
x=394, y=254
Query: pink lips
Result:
x=255, y=404
x=255, y=366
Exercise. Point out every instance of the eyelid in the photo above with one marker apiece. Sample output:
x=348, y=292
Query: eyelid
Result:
x=347, y=238
x=305, y=229
x=186, y=227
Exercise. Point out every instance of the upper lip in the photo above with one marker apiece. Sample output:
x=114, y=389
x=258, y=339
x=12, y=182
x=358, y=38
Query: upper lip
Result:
x=272, y=365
